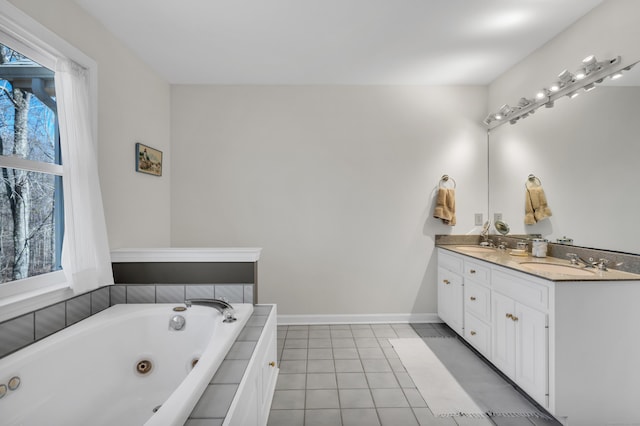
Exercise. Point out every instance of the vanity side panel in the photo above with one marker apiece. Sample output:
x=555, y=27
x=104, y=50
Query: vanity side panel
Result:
x=596, y=352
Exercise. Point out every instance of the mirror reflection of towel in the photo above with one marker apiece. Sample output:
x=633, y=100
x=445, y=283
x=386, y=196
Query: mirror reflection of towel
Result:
x=446, y=206
x=535, y=205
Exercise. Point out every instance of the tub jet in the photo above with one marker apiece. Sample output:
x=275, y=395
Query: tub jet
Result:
x=144, y=366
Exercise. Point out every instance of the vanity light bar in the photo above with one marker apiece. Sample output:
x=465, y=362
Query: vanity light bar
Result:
x=568, y=84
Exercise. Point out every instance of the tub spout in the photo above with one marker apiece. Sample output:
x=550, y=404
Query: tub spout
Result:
x=222, y=306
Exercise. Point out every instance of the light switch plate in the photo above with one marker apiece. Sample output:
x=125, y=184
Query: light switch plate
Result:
x=497, y=217
x=478, y=219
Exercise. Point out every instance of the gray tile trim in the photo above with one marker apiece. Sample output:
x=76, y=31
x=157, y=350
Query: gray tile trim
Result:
x=15, y=334
x=215, y=402
x=170, y=293
x=99, y=300
x=78, y=309
x=49, y=320
x=141, y=294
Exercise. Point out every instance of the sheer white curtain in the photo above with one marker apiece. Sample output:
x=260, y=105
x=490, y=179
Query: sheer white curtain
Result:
x=85, y=254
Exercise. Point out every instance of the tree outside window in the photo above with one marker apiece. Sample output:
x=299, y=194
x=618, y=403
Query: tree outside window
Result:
x=31, y=208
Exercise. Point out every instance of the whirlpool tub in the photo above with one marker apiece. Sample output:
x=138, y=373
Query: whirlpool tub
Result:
x=123, y=366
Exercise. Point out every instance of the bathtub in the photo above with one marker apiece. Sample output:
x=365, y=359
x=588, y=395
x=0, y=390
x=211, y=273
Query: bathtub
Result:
x=122, y=366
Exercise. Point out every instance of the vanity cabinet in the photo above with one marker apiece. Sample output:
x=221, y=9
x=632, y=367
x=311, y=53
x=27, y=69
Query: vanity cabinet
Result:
x=571, y=345
x=503, y=316
x=520, y=330
x=450, y=291
x=477, y=307
x=520, y=345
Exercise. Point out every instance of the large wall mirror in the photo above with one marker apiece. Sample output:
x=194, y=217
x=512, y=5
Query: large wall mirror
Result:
x=586, y=153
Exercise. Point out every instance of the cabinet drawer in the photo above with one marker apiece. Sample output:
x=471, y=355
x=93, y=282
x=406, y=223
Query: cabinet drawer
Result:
x=450, y=262
x=478, y=334
x=521, y=290
x=478, y=272
x=477, y=300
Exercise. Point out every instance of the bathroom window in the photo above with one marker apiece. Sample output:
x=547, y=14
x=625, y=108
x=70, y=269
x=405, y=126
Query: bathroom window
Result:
x=31, y=206
x=53, y=238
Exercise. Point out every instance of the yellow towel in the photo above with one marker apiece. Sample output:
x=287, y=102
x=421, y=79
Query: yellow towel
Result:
x=446, y=206
x=535, y=205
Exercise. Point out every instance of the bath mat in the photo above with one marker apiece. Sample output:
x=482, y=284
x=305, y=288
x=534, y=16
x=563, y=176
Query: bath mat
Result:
x=442, y=393
x=454, y=382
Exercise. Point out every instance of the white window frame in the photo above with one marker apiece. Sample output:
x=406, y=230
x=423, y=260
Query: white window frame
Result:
x=27, y=36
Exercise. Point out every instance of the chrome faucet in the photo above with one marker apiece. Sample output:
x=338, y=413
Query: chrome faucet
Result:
x=485, y=233
x=222, y=306
x=574, y=258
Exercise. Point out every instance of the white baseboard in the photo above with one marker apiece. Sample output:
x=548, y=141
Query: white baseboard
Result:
x=356, y=319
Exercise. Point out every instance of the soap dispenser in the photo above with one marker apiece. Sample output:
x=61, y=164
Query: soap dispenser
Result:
x=539, y=247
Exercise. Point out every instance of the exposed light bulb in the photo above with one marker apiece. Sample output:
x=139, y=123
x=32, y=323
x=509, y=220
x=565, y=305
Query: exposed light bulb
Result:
x=543, y=93
x=567, y=83
x=565, y=77
x=524, y=102
x=590, y=63
x=505, y=110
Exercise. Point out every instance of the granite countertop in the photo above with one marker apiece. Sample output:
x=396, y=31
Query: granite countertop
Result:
x=507, y=259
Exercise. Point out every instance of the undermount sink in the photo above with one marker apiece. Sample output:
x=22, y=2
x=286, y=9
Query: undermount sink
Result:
x=557, y=269
x=476, y=249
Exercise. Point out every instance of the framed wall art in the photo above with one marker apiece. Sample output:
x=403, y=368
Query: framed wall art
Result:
x=148, y=160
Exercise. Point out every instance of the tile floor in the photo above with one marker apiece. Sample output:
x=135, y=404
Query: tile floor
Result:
x=350, y=375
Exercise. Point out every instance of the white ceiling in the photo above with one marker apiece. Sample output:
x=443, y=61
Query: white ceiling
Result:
x=432, y=42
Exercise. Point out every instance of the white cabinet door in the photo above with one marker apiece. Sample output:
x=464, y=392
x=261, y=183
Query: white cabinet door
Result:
x=451, y=299
x=520, y=345
x=532, y=352
x=503, y=347
x=269, y=373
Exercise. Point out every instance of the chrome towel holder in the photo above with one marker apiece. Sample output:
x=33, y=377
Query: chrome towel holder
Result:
x=444, y=179
x=532, y=180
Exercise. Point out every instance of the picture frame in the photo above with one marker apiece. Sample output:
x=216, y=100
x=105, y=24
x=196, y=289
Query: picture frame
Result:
x=148, y=160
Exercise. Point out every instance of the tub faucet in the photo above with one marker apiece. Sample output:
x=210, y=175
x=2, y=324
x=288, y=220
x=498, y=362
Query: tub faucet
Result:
x=222, y=306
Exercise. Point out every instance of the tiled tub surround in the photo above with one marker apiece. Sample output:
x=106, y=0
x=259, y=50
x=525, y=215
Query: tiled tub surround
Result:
x=95, y=364
x=211, y=272
x=241, y=391
x=187, y=266
x=26, y=329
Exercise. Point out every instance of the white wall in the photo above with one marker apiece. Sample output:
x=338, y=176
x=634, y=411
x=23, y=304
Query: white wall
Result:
x=583, y=149
x=133, y=106
x=609, y=30
x=335, y=183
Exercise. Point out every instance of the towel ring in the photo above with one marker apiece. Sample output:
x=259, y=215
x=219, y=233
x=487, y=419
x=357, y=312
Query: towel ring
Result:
x=445, y=178
x=532, y=180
